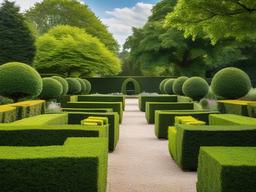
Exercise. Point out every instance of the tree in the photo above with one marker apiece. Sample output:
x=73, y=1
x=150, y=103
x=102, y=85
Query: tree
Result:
x=70, y=51
x=50, y=13
x=215, y=19
x=16, y=39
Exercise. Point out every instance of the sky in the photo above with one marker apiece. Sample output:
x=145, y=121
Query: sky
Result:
x=119, y=15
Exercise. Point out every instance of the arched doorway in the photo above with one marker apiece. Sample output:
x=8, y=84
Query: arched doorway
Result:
x=130, y=87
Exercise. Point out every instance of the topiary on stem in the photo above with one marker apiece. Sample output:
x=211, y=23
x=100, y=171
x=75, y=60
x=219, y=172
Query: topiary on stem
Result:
x=161, y=86
x=64, y=84
x=88, y=86
x=195, y=88
x=18, y=80
x=83, y=86
x=52, y=89
x=74, y=86
x=177, y=85
x=168, y=86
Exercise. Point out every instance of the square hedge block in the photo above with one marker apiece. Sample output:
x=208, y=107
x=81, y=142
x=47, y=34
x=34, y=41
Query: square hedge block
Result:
x=165, y=118
x=8, y=114
x=143, y=99
x=116, y=106
x=46, y=119
x=227, y=169
x=45, y=135
x=151, y=107
x=230, y=119
x=190, y=138
x=113, y=122
x=78, y=166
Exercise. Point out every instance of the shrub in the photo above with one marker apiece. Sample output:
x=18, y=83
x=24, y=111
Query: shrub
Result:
x=74, y=86
x=231, y=83
x=196, y=88
x=52, y=89
x=161, y=86
x=83, y=86
x=88, y=86
x=177, y=85
x=168, y=86
x=18, y=80
x=64, y=84
x=127, y=90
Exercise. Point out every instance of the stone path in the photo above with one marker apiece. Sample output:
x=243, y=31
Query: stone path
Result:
x=141, y=162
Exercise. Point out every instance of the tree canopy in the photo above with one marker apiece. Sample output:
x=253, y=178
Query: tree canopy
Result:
x=71, y=51
x=215, y=19
x=50, y=13
x=16, y=39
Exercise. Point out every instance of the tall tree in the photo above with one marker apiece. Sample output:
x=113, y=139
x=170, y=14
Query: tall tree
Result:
x=215, y=19
x=70, y=51
x=16, y=39
x=50, y=13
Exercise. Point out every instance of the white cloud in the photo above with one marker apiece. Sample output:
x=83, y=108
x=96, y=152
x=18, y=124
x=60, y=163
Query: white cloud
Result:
x=24, y=4
x=121, y=20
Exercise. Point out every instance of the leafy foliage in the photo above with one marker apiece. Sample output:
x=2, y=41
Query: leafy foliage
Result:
x=215, y=19
x=16, y=39
x=51, y=13
x=71, y=51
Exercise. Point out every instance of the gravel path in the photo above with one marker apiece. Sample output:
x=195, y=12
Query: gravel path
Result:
x=141, y=162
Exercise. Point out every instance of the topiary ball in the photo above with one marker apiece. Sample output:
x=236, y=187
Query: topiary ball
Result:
x=52, y=89
x=74, y=86
x=88, y=86
x=231, y=83
x=83, y=86
x=195, y=88
x=168, y=86
x=161, y=86
x=177, y=85
x=64, y=84
x=18, y=80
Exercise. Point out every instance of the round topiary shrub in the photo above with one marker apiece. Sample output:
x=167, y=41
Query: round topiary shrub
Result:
x=18, y=80
x=83, y=86
x=64, y=84
x=88, y=86
x=161, y=86
x=52, y=89
x=168, y=86
x=231, y=83
x=177, y=85
x=130, y=86
x=195, y=88
x=74, y=86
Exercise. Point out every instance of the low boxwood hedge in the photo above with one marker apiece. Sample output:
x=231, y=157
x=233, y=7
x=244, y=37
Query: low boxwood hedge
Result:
x=113, y=120
x=8, y=114
x=143, y=99
x=190, y=138
x=116, y=106
x=101, y=110
x=164, y=119
x=151, y=107
x=230, y=119
x=79, y=165
x=226, y=169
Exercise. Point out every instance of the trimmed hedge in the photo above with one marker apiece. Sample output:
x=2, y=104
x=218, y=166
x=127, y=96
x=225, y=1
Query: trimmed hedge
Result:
x=161, y=86
x=116, y=106
x=143, y=99
x=151, y=107
x=64, y=84
x=230, y=119
x=177, y=85
x=74, y=86
x=83, y=86
x=18, y=80
x=168, y=86
x=164, y=119
x=52, y=89
x=137, y=89
x=88, y=86
x=100, y=110
x=113, y=120
x=231, y=83
x=7, y=114
x=29, y=108
x=80, y=165
x=102, y=98
x=226, y=169
x=190, y=138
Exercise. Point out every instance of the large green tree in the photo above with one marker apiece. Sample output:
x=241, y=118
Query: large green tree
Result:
x=16, y=39
x=71, y=51
x=50, y=13
x=215, y=19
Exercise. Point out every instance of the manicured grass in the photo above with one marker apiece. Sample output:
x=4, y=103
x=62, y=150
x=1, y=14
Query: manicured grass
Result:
x=227, y=169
